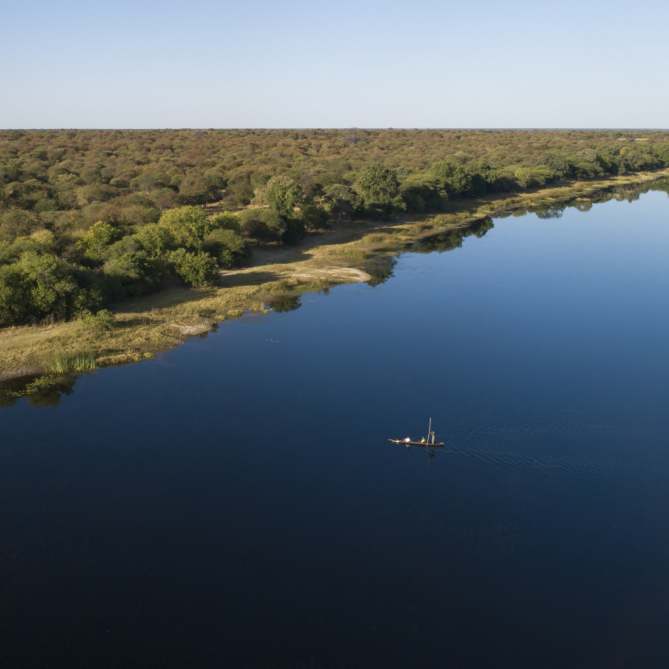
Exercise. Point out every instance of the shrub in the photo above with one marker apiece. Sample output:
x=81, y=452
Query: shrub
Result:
x=132, y=275
x=226, y=221
x=294, y=230
x=102, y=321
x=197, y=269
x=39, y=286
x=262, y=225
x=423, y=192
x=534, y=177
x=228, y=247
x=314, y=217
x=386, y=210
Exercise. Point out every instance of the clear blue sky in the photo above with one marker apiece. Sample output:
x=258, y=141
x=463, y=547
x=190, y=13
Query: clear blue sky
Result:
x=370, y=63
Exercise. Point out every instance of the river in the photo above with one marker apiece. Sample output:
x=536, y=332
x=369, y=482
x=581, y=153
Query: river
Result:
x=235, y=502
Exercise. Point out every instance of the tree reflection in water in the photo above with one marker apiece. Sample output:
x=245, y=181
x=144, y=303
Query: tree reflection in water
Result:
x=380, y=270
x=40, y=391
x=452, y=239
x=283, y=303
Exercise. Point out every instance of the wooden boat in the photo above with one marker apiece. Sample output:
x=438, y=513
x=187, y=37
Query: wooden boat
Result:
x=426, y=442
x=417, y=443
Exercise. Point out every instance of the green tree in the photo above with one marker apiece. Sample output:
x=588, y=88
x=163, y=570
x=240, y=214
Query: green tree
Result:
x=150, y=181
x=39, y=286
x=228, y=247
x=188, y=226
x=239, y=191
x=132, y=275
x=226, y=221
x=283, y=198
x=379, y=186
x=295, y=230
x=423, y=192
x=17, y=223
x=197, y=188
x=314, y=217
x=262, y=225
x=156, y=240
x=663, y=154
x=533, y=177
x=454, y=178
x=483, y=178
x=378, y=183
x=559, y=165
x=261, y=192
x=197, y=269
x=98, y=239
x=342, y=200
x=15, y=303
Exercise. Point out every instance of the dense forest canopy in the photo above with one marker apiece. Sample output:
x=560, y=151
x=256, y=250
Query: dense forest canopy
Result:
x=88, y=217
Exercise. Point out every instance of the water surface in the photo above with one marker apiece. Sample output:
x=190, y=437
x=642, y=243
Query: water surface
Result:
x=235, y=502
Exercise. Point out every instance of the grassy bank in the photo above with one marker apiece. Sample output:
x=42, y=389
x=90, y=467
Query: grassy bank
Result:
x=146, y=326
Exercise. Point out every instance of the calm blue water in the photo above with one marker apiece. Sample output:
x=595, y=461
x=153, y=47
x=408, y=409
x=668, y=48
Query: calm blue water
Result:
x=235, y=503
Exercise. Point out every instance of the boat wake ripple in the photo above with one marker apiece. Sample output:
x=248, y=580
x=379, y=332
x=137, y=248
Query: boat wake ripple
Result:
x=544, y=427
x=468, y=444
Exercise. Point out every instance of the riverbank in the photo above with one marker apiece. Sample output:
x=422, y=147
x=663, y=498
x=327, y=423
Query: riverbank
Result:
x=347, y=254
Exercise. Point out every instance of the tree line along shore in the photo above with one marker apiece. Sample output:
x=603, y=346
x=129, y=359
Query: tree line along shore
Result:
x=359, y=250
x=91, y=218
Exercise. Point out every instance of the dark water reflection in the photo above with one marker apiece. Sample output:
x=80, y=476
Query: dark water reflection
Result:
x=235, y=503
x=39, y=391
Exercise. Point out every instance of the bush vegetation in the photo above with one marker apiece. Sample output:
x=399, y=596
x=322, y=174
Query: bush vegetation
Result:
x=88, y=218
x=103, y=321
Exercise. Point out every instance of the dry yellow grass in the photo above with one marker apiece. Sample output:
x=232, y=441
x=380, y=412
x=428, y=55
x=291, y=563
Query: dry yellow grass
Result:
x=161, y=321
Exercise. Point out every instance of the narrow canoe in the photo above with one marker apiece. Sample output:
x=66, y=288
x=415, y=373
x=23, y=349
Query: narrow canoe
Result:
x=415, y=443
